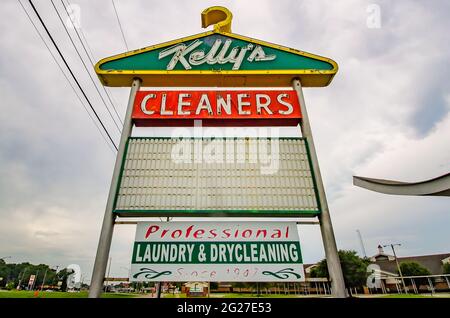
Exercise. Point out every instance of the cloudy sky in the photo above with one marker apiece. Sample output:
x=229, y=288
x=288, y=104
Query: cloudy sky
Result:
x=385, y=115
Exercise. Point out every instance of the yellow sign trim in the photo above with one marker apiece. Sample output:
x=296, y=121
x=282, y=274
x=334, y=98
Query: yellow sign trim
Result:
x=214, y=15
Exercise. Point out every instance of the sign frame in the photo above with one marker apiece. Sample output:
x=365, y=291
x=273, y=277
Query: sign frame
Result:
x=217, y=213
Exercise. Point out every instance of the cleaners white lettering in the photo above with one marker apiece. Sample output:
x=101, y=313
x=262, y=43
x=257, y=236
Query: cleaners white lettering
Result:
x=225, y=103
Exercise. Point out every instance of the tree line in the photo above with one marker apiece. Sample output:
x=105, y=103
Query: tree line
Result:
x=17, y=276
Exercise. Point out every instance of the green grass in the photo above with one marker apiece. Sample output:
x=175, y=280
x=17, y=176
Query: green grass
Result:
x=243, y=295
x=175, y=296
x=234, y=295
x=406, y=296
x=120, y=295
x=83, y=294
x=248, y=295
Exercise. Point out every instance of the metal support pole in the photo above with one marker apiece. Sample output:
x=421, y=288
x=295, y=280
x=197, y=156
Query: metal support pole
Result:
x=104, y=244
x=308, y=222
x=158, y=290
x=326, y=227
x=414, y=286
x=431, y=285
x=383, y=287
x=108, y=275
x=126, y=222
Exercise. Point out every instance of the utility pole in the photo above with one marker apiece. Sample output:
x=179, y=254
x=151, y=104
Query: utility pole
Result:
x=56, y=276
x=43, y=282
x=158, y=290
x=398, y=265
x=362, y=243
x=35, y=280
x=21, y=278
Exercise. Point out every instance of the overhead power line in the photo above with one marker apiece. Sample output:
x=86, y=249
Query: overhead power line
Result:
x=120, y=25
x=85, y=67
x=65, y=75
x=70, y=71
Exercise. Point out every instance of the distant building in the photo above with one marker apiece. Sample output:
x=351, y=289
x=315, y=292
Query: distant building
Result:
x=388, y=274
x=390, y=279
x=193, y=289
x=434, y=263
x=308, y=268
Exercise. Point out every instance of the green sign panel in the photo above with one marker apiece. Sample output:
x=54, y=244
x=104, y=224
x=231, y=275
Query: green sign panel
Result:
x=216, y=52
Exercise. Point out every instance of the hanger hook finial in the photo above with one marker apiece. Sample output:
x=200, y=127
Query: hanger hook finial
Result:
x=219, y=16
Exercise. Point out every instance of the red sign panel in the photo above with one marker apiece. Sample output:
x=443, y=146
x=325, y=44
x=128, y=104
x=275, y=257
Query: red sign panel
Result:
x=217, y=108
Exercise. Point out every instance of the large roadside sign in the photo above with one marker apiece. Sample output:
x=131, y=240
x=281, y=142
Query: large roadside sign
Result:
x=239, y=81
x=212, y=251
